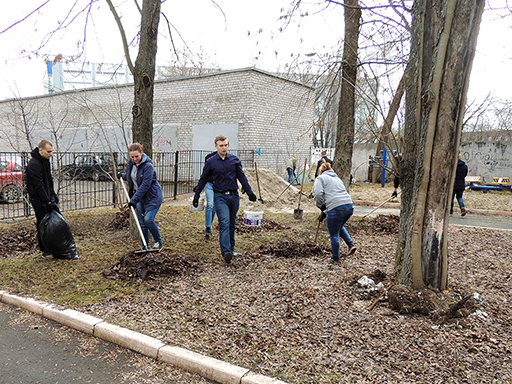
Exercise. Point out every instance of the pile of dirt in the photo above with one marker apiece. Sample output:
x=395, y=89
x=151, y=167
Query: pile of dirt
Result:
x=380, y=224
x=386, y=224
x=290, y=249
x=15, y=242
x=275, y=192
x=150, y=266
x=121, y=220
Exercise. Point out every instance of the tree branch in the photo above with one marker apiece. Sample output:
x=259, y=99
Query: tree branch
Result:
x=123, y=36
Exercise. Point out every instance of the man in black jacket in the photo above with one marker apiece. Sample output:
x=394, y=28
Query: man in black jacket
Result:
x=39, y=182
x=324, y=159
x=459, y=186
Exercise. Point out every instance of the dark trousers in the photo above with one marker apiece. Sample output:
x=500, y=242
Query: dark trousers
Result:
x=40, y=211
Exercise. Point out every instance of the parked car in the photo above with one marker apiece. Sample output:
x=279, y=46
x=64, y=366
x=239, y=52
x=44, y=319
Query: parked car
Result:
x=11, y=180
x=91, y=166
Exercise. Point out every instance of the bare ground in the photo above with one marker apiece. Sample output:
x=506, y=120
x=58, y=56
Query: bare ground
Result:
x=282, y=310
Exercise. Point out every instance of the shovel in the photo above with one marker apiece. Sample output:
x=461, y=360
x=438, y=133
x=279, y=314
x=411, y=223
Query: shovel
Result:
x=380, y=205
x=297, y=213
x=258, y=182
x=317, y=228
x=134, y=213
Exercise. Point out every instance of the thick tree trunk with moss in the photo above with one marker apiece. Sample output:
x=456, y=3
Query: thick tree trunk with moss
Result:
x=444, y=35
x=345, y=126
x=144, y=76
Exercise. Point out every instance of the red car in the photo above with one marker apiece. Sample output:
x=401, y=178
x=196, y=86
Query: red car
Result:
x=11, y=180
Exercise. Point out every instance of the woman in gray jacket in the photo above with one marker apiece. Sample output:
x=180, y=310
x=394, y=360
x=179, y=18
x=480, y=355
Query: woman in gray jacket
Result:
x=336, y=204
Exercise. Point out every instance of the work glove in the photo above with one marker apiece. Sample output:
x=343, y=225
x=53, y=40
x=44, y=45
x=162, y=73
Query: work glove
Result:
x=130, y=204
x=394, y=194
x=48, y=207
x=195, y=203
x=252, y=197
x=322, y=216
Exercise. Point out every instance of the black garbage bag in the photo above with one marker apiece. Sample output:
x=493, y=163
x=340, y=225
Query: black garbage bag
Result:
x=57, y=237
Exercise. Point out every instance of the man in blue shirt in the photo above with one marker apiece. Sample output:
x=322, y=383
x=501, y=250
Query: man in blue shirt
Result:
x=224, y=169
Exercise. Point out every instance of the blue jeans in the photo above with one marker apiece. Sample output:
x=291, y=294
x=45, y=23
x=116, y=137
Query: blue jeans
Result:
x=226, y=207
x=457, y=193
x=336, y=219
x=209, y=213
x=291, y=174
x=147, y=223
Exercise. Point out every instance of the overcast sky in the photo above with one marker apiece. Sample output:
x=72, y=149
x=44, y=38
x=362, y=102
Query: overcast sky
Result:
x=247, y=34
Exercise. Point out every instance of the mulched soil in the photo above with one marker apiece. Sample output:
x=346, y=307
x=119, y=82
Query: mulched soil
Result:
x=379, y=224
x=288, y=248
x=148, y=266
x=121, y=220
x=15, y=243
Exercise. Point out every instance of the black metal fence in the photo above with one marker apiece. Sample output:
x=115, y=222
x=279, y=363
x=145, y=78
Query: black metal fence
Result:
x=85, y=180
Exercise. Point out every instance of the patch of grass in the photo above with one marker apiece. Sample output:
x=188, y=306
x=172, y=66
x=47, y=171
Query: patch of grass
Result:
x=81, y=282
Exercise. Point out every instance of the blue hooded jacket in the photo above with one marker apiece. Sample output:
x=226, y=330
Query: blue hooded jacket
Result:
x=149, y=191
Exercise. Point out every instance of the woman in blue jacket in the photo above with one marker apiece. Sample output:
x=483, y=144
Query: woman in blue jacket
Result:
x=145, y=192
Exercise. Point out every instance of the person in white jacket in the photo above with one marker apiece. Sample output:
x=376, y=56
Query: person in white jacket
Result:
x=336, y=204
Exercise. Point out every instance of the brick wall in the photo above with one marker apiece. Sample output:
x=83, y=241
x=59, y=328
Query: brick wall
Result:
x=273, y=114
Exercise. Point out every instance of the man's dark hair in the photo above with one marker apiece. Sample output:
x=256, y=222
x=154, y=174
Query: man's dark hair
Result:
x=220, y=138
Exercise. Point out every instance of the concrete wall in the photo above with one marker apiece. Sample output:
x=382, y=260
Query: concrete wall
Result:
x=488, y=159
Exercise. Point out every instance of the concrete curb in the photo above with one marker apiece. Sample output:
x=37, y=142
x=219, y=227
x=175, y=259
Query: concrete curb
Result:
x=205, y=366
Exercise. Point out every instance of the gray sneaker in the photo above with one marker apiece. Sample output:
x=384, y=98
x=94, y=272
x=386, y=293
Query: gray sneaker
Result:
x=158, y=245
x=207, y=232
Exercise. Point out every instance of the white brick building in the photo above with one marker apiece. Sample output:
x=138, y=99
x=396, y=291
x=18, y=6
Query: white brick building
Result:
x=253, y=108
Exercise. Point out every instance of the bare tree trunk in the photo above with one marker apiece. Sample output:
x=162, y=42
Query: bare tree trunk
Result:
x=442, y=49
x=144, y=76
x=345, y=126
x=385, y=132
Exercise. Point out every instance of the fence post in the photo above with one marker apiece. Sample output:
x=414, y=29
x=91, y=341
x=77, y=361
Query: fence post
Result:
x=114, y=177
x=26, y=206
x=384, y=163
x=176, y=174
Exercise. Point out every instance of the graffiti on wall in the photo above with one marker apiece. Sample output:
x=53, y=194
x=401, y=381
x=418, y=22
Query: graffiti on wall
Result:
x=487, y=160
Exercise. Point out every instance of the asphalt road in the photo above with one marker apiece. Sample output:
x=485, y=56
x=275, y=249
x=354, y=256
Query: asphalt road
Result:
x=34, y=350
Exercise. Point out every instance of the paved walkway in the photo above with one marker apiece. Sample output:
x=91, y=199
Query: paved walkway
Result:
x=37, y=350
x=495, y=222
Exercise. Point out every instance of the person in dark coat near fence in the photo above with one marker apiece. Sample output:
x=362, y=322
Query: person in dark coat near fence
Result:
x=39, y=183
x=145, y=192
x=459, y=186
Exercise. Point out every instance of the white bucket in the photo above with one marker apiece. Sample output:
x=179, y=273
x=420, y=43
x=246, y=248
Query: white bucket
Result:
x=200, y=206
x=253, y=218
